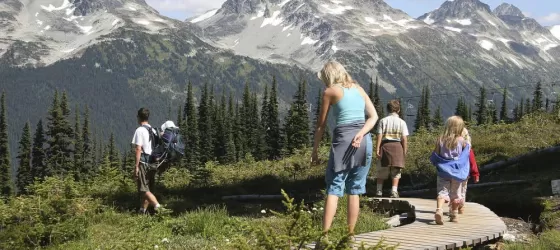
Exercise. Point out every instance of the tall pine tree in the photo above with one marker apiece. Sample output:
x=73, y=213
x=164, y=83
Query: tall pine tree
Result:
x=426, y=108
x=229, y=121
x=273, y=133
x=6, y=184
x=257, y=135
x=24, y=175
x=420, y=118
x=60, y=136
x=297, y=121
x=192, y=149
x=113, y=153
x=326, y=136
x=78, y=147
x=503, y=111
x=239, y=134
x=521, y=111
x=39, y=162
x=438, y=118
x=528, y=107
x=246, y=121
x=87, y=148
x=482, y=108
x=537, y=98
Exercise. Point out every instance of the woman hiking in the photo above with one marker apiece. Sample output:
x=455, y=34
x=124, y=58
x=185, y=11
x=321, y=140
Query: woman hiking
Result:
x=351, y=150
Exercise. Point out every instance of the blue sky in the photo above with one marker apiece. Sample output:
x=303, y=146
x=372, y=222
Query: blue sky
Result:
x=547, y=12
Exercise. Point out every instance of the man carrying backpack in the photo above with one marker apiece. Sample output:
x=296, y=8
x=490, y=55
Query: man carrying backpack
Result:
x=144, y=173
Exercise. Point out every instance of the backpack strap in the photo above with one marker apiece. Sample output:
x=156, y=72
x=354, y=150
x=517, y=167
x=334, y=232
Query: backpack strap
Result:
x=151, y=135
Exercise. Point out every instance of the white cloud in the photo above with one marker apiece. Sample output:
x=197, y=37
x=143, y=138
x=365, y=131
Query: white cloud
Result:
x=189, y=7
x=552, y=18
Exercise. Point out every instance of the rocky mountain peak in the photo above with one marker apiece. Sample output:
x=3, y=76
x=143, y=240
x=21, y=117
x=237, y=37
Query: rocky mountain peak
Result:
x=458, y=9
x=507, y=9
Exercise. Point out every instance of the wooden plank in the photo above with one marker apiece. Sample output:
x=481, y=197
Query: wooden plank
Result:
x=477, y=226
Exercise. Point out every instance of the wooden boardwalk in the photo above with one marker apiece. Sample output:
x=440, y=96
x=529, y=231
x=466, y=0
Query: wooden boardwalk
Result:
x=476, y=226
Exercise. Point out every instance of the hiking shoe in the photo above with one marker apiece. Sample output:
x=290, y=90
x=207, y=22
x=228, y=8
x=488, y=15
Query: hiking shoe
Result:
x=379, y=194
x=439, y=217
x=394, y=194
x=322, y=243
x=453, y=217
x=162, y=210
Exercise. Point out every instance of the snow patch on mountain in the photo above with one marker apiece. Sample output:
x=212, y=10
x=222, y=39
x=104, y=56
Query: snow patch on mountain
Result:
x=274, y=20
x=555, y=30
x=487, y=45
x=336, y=9
x=284, y=3
x=308, y=40
x=428, y=20
x=452, y=29
x=51, y=8
x=206, y=16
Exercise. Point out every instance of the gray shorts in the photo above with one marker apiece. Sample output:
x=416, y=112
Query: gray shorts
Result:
x=146, y=178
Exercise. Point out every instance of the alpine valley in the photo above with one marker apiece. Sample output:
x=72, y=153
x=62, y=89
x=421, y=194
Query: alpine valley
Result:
x=118, y=55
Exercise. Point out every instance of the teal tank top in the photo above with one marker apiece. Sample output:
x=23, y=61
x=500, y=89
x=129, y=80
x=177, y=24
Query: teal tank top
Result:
x=351, y=108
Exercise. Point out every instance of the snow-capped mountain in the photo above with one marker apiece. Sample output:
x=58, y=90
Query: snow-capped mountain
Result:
x=462, y=41
x=41, y=32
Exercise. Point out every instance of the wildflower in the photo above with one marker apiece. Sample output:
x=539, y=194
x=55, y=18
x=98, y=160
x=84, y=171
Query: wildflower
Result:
x=321, y=209
x=156, y=246
x=165, y=240
x=314, y=209
x=227, y=240
x=309, y=212
x=263, y=211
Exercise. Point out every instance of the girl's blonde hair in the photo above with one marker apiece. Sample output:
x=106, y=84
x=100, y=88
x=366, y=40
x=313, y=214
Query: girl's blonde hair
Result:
x=333, y=73
x=453, y=130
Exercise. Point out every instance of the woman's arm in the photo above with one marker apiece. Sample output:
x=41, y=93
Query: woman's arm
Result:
x=322, y=120
x=371, y=113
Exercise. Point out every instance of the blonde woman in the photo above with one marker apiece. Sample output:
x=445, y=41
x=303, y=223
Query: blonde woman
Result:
x=451, y=157
x=351, y=150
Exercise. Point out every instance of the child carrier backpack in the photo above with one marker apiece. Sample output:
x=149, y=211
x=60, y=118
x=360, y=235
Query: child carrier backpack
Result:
x=172, y=145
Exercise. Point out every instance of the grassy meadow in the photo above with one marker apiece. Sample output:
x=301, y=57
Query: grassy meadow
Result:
x=100, y=213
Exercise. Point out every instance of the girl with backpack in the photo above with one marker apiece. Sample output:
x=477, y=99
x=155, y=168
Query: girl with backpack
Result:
x=451, y=157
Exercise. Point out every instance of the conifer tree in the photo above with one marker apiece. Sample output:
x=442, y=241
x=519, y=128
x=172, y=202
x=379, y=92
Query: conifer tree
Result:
x=192, y=149
x=229, y=125
x=239, y=133
x=438, y=118
x=528, y=108
x=78, y=147
x=246, y=127
x=493, y=114
x=221, y=136
x=297, y=121
x=420, y=118
x=264, y=111
x=516, y=113
x=206, y=144
x=426, y=108
x=6, y=184
x=374, y=96
x=326, y=136
x=113, y=153
x=482, y=108
x=60, y=136
x=521, y=111
x=39, y=168
x=24, y=175
x=503, y=111
x=537, y=98
x=273, y=133
x=87, y=148
x=462, y=109
x=257, y=137
x=547, y=105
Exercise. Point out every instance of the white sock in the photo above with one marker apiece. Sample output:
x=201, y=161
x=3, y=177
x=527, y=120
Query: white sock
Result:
x=157, y=206
x=394, y=189
x=142, y=210
x=379, y=187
